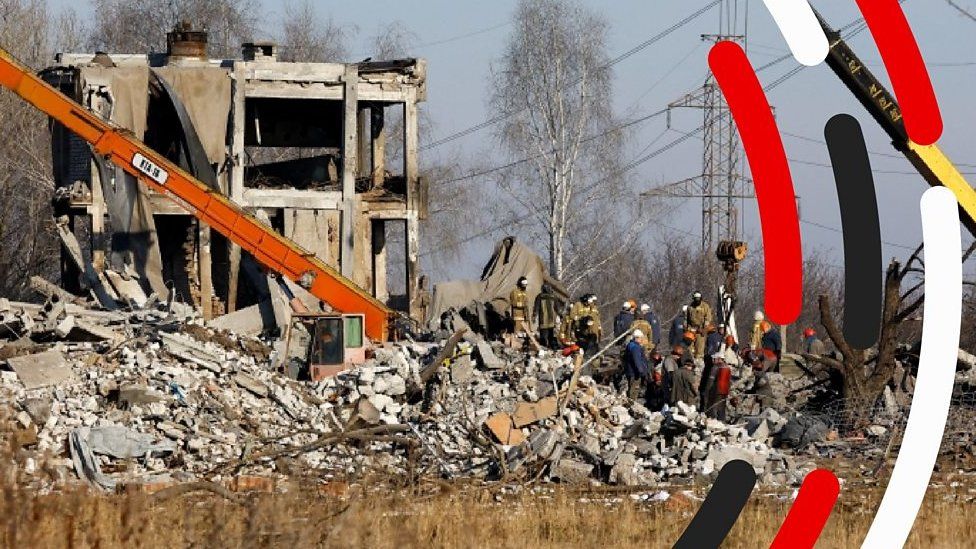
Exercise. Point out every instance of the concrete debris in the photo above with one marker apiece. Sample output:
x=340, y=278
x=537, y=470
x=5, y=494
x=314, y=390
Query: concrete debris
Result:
x=162, y=395
x=41, y=369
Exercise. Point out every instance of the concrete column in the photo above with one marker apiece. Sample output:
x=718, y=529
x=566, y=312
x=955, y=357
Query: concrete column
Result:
x=236, y=176
x=378, y=131
x=413, y=245
x=350, y=146
x=380, y=289
x=205, y=264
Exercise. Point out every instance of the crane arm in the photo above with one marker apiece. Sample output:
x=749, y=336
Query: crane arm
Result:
x=269, y=248
x=933, y=165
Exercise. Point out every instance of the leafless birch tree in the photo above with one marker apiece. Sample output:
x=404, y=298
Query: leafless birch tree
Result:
x=553, y=88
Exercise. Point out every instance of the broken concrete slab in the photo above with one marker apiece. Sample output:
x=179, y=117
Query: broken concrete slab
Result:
x=571, y=471
x=501, y=427
x=724, y=454
x=253, y=385
x=527, y=413
x=42, y=369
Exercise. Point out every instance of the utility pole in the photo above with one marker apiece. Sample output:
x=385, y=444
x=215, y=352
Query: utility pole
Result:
x=721, y=183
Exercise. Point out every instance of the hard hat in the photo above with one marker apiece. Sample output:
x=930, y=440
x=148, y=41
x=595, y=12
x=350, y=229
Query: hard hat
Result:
x=759, y=316
x=689, y=335
x=678, y=349
x=809, y=332
x=591, y=298
x=765, y=326
x=718, y=356
x=645, y=307
x=710, y=327
x=627, y=306
x=696, y=295
x=729, y=340
x=638, y=334
x=522, y=281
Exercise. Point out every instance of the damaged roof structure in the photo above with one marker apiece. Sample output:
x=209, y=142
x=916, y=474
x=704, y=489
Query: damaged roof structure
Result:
x=303, y=145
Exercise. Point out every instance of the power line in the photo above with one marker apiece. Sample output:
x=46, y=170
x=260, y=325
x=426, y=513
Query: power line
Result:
x=633, y=51
x=605, y=133
x=875, y=153
x=962, y=10
x=463, y=36
x=836, y=230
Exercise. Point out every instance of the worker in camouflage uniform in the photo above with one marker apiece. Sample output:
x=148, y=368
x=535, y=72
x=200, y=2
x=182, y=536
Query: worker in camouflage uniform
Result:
x=641, y=323
x=518, y=302
x=567, y=330
x=593, y=312
x=697, y=317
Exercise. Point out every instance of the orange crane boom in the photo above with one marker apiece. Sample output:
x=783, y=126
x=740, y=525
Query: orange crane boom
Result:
x=269, y=248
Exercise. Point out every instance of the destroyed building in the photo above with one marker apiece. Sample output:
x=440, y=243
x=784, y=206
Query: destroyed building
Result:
x=303, y=145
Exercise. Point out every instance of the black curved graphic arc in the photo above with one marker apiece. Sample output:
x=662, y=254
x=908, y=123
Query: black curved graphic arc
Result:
x=722, y=506
x=861, y=228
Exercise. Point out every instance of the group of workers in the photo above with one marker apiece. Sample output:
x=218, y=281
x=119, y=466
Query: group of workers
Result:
x=696, y=343
x=697, y=366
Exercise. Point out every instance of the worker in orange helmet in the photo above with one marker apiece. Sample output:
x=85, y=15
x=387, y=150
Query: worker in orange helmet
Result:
x=812, y=345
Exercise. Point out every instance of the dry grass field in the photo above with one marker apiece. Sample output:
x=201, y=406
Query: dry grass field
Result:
x=434, y=515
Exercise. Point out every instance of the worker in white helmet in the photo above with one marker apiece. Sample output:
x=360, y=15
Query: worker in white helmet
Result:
x=755, y=342
x=698, y=317
x=623, y=320
x=636, y=369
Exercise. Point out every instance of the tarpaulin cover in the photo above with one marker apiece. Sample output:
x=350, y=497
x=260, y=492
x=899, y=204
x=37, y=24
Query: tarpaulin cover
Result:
x=510, y=261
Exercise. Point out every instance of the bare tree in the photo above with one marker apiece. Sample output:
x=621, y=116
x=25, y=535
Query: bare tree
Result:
x=553, y=87
x=307, y=37
x=136, y=26
x=27, y=237
x=866, y=372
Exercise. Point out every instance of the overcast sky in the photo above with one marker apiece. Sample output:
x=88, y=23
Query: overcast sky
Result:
x=460, y=40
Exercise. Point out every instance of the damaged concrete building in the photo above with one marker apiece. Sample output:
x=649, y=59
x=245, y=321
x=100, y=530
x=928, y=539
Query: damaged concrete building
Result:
x=326, y=153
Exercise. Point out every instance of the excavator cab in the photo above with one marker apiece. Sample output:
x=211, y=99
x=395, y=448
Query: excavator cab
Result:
x=335, y=342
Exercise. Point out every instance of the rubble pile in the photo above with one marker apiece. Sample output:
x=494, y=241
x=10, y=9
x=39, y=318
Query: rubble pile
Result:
x=155, y=395
x=522, y=405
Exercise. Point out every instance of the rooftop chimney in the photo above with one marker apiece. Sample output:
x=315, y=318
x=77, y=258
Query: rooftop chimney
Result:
x=184, y=42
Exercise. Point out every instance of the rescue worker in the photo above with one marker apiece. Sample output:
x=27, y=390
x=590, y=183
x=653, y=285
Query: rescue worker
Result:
x=645, y=327
x=683, y=386
x=518, y=302
x=670, y=365
x=719, y=386
x=546, y=317
x=647, y=314
x=593, y=312
x=568, y=327
x=586, y=336
x=677, y=327
x=713, y=343
x=730, y=351
x=658, y=390
x=772, y=346
x=813, y=345
x=698, y=316
x=756, y=339
x=623, y=320
x=636, y=368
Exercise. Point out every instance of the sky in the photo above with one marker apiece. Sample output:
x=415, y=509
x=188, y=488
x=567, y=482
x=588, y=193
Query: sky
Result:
x=461, y=39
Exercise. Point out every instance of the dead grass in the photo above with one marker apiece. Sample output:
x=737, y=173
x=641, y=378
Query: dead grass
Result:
x=435, y=516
